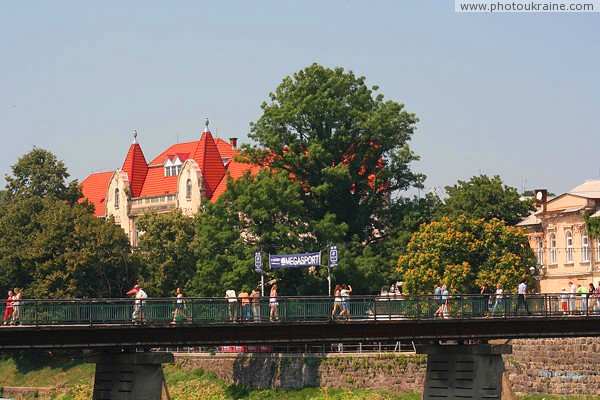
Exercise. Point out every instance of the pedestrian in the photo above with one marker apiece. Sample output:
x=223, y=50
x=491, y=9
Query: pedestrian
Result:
x=245, y=300
x=273, y=304
x=8, y=310
x=593, y=299
x=337, y=301
x=437, y=295
x=139, y=305
x=522, y=298
x=255, y=300
x=17, y=295
x=499, y=303
x=445, y=302
x=486, y=293
x=583, y=293
x=564, y=306
x=572, y=292
x=345, y=294
x=179, y=306
x=232, y=304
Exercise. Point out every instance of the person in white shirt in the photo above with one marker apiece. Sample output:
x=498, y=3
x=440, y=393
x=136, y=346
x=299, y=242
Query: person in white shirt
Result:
x=521, y=298
x=499, y=299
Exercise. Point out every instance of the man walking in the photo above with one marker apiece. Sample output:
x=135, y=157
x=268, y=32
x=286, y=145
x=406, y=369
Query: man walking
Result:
x=521, y=298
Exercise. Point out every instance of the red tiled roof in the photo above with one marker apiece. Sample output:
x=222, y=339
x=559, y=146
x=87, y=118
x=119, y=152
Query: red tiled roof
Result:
x=208, y=158
x=225, y=148
x=235, y=170
x=179, y=148
x=136, y=167
x=94, y=189
x=157, y=183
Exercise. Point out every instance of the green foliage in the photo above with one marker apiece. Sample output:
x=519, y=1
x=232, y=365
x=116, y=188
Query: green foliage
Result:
x=345, y=145
x=465, y=254
x=592, y=225
x=482, y=197
x=51, y=246
x=39, y=173
x=166, y=252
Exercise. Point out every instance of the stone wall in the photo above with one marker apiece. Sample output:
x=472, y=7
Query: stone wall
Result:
x=569, y=366
x=397, y=372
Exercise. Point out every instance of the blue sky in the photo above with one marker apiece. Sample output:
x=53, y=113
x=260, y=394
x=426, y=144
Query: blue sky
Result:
x=510, y=94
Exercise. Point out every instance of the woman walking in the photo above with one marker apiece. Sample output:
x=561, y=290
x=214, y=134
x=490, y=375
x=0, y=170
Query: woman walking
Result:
x=179, y=306
x=345, y=294
x=337, y=301
x=273, y=304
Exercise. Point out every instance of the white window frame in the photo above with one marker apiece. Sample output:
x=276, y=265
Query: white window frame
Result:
x=569, y=247
x=585, y=247
x=540, y=251
x=552, y=248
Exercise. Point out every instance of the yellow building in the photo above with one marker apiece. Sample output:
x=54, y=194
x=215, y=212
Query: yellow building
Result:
x=558, y=237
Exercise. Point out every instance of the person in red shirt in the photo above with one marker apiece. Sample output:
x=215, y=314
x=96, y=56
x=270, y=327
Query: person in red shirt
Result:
x=8, y=311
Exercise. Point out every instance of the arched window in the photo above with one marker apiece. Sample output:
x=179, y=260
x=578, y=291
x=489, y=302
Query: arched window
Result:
x=540, y=251
x=188, y=189
x=553, y=249
x=585, y=247
x=117, y=198
x=569, y=245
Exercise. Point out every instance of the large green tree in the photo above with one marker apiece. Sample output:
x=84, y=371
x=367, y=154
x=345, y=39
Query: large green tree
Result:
x=166, y=252
x=259, y=213
x=339, y=139
x=52, y=246
x=464, y=254
x=40, y=174
x=487, y=198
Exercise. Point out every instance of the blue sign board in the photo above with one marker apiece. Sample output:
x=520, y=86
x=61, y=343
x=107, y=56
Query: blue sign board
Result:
x=333, y=256
x=294, y=260
x=258, y=261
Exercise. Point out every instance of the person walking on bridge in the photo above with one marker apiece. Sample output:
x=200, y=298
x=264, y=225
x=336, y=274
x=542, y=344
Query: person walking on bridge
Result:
x=273, y=304
x=179, y=306
x=499, y=303
x=522, y=298
x=8, y=311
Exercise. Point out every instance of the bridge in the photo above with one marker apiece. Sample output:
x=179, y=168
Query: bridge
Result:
x=110, y=326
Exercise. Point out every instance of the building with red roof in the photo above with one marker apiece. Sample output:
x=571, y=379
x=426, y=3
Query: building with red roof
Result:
x=183, y=176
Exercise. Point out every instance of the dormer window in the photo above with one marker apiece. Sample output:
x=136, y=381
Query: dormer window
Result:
x=173, y=165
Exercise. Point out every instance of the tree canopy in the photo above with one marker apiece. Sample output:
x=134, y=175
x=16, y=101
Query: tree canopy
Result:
x=487, y=198
x=52, y=246
x=39, y=173
x=465, y=254
x=345, y=145
x=166, y=252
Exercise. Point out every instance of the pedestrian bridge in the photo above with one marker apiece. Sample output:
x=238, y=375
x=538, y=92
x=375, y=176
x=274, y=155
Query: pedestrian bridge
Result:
x=108, y=323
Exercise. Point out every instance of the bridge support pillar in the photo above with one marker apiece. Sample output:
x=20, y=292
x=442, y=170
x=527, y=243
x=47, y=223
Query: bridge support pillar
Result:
x=465, y=372
x=130, y=376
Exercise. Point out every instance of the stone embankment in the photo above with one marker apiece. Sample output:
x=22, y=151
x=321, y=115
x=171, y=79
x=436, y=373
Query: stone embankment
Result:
x=545, y=366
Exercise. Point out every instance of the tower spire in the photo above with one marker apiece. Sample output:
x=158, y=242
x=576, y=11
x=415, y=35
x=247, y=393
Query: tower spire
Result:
x=135, y=136
x=206, y=123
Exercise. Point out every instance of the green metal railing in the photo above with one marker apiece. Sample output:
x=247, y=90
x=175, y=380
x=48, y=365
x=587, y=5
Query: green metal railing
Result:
x=220, y=310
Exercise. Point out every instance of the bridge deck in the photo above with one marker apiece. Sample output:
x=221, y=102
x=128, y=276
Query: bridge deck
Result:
x=107, y=323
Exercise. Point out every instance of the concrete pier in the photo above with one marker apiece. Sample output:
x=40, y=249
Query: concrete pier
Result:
x=464, y=371
x=131, y=376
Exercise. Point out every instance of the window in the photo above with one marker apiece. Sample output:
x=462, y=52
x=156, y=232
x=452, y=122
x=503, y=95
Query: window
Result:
x=597, y=250
x=117, y=198
x=188, y=189
x=569, y=244
x=553, y=249
x=585, y=247
x=540, y=251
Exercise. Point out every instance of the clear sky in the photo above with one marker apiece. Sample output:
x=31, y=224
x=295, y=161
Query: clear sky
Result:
x=515, y=95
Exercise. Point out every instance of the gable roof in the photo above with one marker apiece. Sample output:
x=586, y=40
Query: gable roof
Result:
x=94, y=189
x=589, y=189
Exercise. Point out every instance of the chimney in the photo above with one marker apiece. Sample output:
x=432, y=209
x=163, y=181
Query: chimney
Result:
x=233, y=142
x=541, y=197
